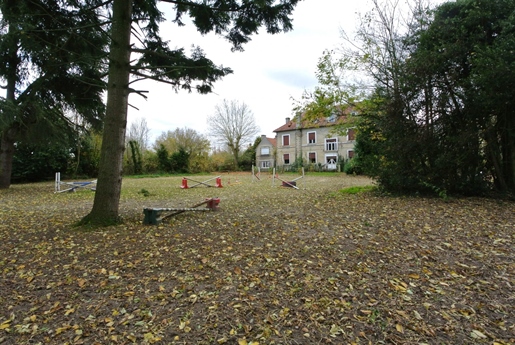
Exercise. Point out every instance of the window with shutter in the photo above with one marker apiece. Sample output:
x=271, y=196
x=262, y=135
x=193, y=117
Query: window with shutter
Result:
x=311, y=137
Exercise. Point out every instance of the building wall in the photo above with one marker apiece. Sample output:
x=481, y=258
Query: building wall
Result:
x=263, y=160
x=312, y=146
x=290, y=149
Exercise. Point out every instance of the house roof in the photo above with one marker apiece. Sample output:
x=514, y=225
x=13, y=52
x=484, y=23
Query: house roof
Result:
x=272, y=141
x=320, y=122
x=289, y=126
x=293, y=125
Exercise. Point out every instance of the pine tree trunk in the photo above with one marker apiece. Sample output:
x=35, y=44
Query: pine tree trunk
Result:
x=6, y=159
x=109, y=183
x=8, y=136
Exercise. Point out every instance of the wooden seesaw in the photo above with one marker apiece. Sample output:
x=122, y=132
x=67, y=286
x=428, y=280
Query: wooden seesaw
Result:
x=218, y=182
x=152, y=215
x=292, y=183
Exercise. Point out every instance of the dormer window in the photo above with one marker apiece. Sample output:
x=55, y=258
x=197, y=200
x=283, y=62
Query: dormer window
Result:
x=331, y=118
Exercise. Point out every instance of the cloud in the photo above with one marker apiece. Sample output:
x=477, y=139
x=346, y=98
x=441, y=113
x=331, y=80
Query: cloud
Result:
x=301, y=79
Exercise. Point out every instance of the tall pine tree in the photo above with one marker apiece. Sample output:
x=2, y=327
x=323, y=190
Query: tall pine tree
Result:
x=51, y=56
x=236, y=20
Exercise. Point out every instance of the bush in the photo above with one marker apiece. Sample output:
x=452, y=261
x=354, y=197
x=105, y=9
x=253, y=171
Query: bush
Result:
x=352, y=167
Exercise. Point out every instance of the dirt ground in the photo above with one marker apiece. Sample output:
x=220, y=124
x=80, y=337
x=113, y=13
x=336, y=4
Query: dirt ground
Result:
x=273, y=265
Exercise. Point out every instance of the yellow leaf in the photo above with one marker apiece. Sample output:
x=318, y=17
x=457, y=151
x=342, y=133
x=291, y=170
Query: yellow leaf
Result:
x=69, y=311
x=399, y=328
x=5, y=324
x=402, y=313
x=242, y=342
x=477, y=334
x=61, y=329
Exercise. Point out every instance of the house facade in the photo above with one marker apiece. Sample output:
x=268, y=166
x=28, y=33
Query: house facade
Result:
x=265, y=153
x=314, y=143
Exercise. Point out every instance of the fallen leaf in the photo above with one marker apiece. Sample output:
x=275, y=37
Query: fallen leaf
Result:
x=477, y=334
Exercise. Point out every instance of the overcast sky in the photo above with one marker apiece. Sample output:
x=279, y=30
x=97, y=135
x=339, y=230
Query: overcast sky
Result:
x=271, y=70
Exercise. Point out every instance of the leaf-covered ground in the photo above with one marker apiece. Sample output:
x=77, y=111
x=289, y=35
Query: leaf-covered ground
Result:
x=273, y=265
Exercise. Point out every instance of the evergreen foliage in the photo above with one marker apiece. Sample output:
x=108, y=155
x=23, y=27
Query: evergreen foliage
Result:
x=163, y=159
x=135, y=155
x=441, y=117
x=51, y=59
x=40, y=162
x=179, y=161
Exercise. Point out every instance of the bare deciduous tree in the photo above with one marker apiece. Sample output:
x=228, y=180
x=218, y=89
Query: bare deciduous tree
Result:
x=139, y=132
x=233, y=125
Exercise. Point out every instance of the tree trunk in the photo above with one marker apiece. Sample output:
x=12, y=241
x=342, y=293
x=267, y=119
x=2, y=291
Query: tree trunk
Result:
x=236, y=155
x=6, y=159
x=8, y=136
x=109, y=183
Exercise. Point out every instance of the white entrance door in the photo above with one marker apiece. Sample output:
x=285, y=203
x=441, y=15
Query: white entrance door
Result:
x=330, y=161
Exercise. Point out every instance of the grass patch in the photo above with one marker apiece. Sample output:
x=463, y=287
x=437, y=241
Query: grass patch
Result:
x=357, y=189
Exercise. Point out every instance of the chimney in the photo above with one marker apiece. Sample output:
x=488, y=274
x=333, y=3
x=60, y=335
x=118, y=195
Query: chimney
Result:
x=287, y=120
